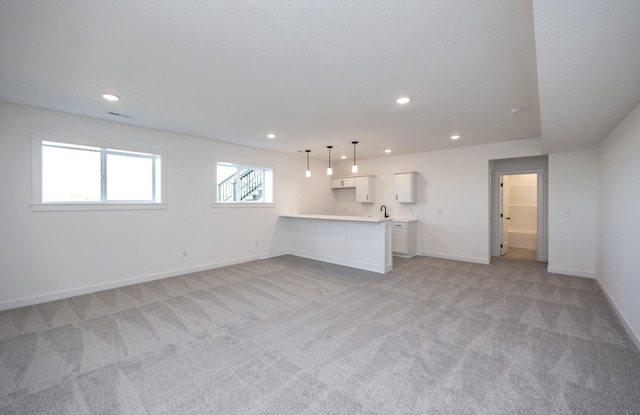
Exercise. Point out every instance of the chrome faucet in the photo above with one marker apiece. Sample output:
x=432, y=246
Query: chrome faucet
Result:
x=385, y=211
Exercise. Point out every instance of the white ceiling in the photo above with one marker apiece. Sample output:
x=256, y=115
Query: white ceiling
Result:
x=588, y=69
x=328, y=72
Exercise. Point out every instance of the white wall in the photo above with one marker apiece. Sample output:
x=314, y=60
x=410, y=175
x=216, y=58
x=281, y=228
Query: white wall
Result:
x=49, y=255
x=455, y=182
x=618, y=269
x=572, y=213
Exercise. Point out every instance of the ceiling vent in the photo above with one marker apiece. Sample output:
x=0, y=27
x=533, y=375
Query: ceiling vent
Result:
x=119, y=115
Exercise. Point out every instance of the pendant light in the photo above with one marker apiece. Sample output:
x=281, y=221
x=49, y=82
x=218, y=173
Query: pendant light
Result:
x=308, y=173
x=329, y=169
x=354, y=168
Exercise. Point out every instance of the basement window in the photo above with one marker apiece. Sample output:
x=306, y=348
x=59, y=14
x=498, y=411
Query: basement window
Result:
x=237, y=183
x=69, y=175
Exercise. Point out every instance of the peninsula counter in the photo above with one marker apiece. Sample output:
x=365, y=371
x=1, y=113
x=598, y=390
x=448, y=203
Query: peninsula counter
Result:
x=355, y=241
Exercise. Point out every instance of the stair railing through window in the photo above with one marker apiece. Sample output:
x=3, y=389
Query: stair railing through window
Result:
x=242, y=183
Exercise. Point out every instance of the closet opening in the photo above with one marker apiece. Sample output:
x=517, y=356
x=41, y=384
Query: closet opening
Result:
x=519, y=216
x=522, y=201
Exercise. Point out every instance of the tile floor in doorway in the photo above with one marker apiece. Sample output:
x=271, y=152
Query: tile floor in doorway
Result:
x=522, y=253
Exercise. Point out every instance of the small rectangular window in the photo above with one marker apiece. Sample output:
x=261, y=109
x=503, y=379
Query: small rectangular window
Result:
x=69, y=173
x=243, y=184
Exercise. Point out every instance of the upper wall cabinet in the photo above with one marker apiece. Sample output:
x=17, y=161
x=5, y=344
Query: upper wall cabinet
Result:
x=406, y=187
x=343, y=183
x=365, y=187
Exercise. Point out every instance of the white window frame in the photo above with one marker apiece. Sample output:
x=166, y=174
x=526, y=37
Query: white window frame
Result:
x=109, y=148
x=269, y=192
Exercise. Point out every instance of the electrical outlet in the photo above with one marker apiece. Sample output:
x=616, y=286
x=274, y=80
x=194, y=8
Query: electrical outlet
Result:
x=256, y=243
x=184, y=254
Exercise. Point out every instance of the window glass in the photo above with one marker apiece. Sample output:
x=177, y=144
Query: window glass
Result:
x=243, y=184
x=70, y=174
x=129, y=178
x=75, y=174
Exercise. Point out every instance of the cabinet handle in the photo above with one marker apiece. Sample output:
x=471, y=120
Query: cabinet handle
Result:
x=396, y=197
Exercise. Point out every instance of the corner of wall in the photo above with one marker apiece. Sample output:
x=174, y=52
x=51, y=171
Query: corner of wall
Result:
x=635, y=337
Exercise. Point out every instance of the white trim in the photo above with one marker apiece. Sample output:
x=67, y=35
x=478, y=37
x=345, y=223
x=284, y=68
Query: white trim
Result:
x=59, y=295
x=114, y=145
x=572, y=272
x=217, y=205
x=483, y=261
x=71, y=207
x=36, y=169
x=635, y=338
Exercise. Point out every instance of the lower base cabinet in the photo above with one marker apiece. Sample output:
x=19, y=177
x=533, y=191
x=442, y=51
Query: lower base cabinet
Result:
x=404, y=237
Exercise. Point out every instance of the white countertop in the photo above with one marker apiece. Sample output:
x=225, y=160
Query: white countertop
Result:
x=405, y=219
x=338, y=217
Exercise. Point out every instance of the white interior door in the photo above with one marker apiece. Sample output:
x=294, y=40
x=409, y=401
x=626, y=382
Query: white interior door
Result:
x=504, y=215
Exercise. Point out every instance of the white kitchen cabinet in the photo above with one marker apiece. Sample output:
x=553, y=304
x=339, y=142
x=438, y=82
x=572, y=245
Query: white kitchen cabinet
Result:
x=406, y=187
x=343, y=183
x=404, y=237
x=365, y=188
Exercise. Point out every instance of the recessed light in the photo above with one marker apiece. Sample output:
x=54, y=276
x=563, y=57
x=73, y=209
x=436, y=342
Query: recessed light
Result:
x=387, y=151
x=455, y=137
x=272, y=136
x=403, y=100
x=343, y=157
x=110, y=97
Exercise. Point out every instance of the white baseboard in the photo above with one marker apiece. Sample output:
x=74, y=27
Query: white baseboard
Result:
x=632, y=334
x=484, y=261
x=59, y=295
x=572, y=272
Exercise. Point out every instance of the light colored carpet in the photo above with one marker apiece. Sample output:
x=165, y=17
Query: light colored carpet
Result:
x=288, y=335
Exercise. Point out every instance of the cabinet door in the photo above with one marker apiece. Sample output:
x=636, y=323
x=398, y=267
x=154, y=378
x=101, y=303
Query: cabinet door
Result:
x=405, y=188
x=342, y=183
x=399, y=240
x=364, y=189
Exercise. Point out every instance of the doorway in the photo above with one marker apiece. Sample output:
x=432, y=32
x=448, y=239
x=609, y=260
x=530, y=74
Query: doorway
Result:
x=518, y=222
x=519, y=216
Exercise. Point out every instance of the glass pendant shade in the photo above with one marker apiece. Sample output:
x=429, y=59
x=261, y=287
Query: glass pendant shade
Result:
x=354, y=168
